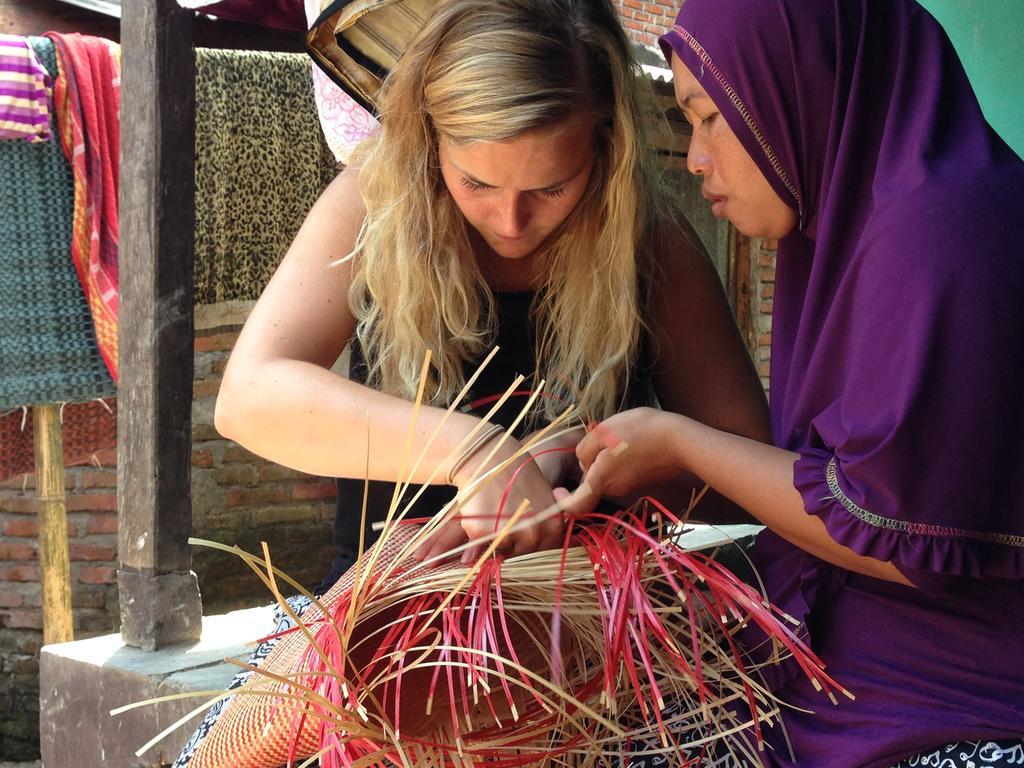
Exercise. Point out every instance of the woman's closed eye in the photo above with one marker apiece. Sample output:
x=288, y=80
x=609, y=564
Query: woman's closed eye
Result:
x=708, y=120
x=471, y=185
x=556, y=192
x=475, y=186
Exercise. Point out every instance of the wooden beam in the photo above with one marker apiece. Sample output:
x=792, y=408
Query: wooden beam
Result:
x=54, y=562
x=160, y=602
x=33, y=17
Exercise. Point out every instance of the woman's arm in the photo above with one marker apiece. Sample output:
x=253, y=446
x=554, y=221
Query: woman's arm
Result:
x=280, y=399
x=756, y=476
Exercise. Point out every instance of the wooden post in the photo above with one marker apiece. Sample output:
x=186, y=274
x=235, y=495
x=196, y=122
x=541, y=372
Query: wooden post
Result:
x=159, y=596
x=54, y=563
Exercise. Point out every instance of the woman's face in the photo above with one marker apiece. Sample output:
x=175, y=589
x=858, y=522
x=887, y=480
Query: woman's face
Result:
x=732, y=182
x=516, y=193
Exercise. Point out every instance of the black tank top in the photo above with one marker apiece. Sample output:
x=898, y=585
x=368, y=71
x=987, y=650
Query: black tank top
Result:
x=516, y=342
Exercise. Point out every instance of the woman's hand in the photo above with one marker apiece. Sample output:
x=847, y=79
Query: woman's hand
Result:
x=555, y=455
x=489, y=505
x=628, y=451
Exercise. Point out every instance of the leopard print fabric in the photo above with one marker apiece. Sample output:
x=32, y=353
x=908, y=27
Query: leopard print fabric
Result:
x=261, y=163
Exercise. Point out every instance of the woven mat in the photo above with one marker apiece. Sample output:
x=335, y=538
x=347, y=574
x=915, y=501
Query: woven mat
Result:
x=261, y=163
x=48, y=349
x=87, y=428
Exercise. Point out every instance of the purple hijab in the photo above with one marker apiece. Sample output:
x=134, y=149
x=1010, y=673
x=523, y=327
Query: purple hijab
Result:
x=897, y=359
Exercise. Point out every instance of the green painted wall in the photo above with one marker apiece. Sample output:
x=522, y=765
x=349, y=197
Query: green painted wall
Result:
x=989, y=36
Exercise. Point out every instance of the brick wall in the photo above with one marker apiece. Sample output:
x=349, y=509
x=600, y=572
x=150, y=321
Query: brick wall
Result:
x=646, y=20
x=239, y=498
x=762, y=270
x=92, y=537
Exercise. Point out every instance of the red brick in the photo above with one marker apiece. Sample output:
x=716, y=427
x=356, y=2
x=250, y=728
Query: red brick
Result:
x=207, y=388
x=93, y=552
x=24, y=620
x=241, y=497
x=323, y=490
x=202, y=458
x=22, y=505
x=12, y=552
x=105, y=458
x=97, y=575
x=217, y=342
x=99, y=479
x=101, y=524
x=766, y=308
x=235, y=452
x=90, y=502
x=764, y=340
x=277, y=473
x=19, y=482
x=238, y=474
x=25, y=527
x=94, y=598
x=19, y=573
x=767, y=291
x=10, y=599
x=218, y=365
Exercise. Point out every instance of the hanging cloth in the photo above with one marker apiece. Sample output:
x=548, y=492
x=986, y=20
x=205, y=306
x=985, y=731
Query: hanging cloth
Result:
x=345, y=122
x=24, y=92
x=87, y=98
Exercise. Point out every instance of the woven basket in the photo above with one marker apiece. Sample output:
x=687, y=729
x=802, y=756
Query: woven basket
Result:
x=567, y=657
x=260, y=728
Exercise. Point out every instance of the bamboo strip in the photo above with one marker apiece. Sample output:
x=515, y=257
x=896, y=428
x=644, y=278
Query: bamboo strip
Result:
x=54, y=561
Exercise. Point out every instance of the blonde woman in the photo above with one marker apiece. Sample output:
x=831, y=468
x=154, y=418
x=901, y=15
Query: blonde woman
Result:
x=507, y=200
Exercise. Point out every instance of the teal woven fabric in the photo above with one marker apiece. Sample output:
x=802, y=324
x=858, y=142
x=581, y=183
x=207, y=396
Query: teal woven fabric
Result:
x=48, y=347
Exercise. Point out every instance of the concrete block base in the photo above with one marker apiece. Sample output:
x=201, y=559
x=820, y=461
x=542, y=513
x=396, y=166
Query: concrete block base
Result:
x=81, y=682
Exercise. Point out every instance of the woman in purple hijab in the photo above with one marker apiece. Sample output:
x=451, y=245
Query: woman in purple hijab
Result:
x=894, y=494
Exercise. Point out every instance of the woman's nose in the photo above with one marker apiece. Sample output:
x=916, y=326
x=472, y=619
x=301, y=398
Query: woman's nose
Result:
x=512, y=216
x=697, y=159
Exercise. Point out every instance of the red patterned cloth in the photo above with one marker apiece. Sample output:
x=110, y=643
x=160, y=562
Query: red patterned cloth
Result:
x=86, y=428
x=87, y=98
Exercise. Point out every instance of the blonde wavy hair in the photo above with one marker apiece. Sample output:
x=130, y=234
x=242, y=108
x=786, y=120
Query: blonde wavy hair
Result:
x=483, y=70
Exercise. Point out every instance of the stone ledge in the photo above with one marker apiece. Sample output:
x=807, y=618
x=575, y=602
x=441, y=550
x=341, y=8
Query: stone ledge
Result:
x=80, y=682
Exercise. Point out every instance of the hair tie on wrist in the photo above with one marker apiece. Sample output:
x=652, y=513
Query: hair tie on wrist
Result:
x=470, y=450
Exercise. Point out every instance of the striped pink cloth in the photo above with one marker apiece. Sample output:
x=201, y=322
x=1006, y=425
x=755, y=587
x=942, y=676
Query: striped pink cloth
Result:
x=24, y=92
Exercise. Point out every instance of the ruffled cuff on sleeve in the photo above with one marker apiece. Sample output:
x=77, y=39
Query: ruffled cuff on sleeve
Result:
x=927, y=554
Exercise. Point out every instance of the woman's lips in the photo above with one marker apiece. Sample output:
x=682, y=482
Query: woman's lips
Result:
x=717, y=202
